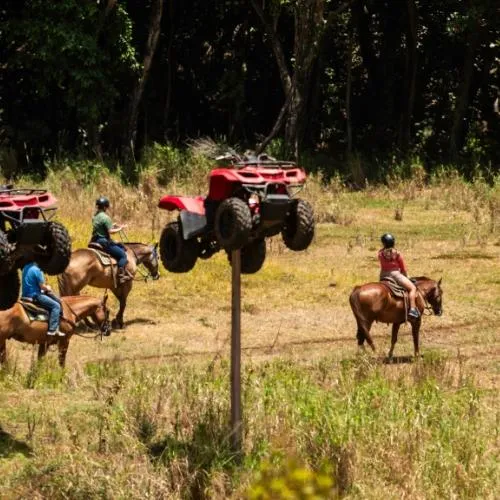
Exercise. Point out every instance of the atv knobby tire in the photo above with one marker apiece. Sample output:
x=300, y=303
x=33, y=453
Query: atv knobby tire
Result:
x=233, y=222
x=298, y=230
x=9, y=290
x=58, y=252
x=253, y=256
x=5, y=260
x=177, y=254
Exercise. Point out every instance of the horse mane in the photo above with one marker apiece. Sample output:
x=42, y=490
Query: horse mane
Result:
x=422, y=278
x=71, y=299
x=138, y=243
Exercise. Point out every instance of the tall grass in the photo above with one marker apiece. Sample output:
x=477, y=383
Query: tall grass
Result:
x=330, y=425
x=134, y=431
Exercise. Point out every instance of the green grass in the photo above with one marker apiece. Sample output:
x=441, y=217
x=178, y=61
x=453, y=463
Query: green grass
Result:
x=145, y=412
x=163, y=430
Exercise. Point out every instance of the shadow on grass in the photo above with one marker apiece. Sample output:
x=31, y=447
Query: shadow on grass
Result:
x=10, y=446
x=207, y=450
x=398, y=360
x=140, y=321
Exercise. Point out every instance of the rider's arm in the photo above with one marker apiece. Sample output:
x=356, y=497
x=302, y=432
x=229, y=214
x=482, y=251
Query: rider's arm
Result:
x=402, y=265
x=116, y=228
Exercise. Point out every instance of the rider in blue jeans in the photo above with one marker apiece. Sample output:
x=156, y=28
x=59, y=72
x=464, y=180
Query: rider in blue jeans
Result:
x=102, y=229
x=35, y=288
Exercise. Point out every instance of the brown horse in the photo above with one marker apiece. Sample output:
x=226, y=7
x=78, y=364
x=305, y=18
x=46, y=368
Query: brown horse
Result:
x=15, y=324
x=85, y=268
x=374, y=302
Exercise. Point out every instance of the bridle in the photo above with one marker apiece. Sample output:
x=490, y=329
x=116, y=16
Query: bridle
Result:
x=104, y=327
x=428, y=309
x=138, y=260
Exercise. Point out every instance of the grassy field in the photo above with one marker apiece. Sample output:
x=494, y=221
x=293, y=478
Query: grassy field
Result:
x=144, y=413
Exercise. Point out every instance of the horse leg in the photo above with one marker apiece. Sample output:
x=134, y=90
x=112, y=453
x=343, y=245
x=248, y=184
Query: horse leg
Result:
x=121, y=294
x=363, y=334
x=394, y=338
x=368, y=336
x=42, y=350
x=63, y=349
x=415, y=332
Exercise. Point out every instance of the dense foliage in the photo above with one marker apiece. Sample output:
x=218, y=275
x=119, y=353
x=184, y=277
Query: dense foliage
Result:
x=360, y=78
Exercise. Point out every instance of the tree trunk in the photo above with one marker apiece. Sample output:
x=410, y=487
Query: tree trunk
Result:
x=410, y=77
x=309, y=20
x=457, y=136
x=168, y=97
x=128, y=147
x=348, y=92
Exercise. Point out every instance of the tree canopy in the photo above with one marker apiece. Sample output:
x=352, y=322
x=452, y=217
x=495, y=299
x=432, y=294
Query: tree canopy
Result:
x=374, y=78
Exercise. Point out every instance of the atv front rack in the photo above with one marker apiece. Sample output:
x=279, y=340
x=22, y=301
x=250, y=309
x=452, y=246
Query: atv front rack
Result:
x=264, y=164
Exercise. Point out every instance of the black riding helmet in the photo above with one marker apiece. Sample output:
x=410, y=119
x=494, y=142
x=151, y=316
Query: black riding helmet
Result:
x=102, y=202
x=388, y=240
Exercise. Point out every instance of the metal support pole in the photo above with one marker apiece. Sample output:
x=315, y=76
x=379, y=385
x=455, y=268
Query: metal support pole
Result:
x=236, y=423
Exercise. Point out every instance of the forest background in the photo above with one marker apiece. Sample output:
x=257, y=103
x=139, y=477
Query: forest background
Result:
x=352, y=87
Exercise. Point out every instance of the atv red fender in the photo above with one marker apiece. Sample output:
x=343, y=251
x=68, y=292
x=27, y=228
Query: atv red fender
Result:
x=222, y=180
x=191, y=204
x=15, y=200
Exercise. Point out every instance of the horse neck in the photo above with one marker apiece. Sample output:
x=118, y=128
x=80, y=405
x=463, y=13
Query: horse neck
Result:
x=140, y=251
x=425, y=285
x=79, y=305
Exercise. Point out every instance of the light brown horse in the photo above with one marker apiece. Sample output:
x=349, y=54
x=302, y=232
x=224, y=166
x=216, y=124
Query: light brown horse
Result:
x=85, y=268
x=374, y=302
x=15, y=324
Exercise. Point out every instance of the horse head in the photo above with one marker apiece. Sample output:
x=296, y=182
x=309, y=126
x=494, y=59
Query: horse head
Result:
x=101, y=317
x=433, y=294
x=152, y=263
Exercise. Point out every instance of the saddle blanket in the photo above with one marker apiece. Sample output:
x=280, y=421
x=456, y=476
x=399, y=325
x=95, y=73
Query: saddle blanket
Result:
x=104, y=258
x=395, y=288
x=34, y=312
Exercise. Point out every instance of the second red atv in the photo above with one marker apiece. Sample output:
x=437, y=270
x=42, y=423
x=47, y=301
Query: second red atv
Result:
x=249, y=199
x=27, y=233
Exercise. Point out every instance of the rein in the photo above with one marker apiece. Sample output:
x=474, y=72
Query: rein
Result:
x=427, y=307
x=73, y=324
x=145, y=275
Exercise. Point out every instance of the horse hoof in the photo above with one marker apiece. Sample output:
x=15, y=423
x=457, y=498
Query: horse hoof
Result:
x=116, y=325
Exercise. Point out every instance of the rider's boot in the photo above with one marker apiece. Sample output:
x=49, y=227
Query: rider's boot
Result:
x=414, y=313
x=123, y=275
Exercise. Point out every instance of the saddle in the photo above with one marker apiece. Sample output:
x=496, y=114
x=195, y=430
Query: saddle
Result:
x=107, y=261
x=34, y=312
x=104, y=257
x=394, y=287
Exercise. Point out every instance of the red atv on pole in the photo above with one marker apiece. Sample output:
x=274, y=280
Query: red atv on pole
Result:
x=248, y=200
x=27, y=234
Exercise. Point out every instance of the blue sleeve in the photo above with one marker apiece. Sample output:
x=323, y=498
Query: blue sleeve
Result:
x=39, y=276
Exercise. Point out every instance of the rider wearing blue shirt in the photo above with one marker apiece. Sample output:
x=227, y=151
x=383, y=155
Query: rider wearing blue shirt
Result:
x=35, y=288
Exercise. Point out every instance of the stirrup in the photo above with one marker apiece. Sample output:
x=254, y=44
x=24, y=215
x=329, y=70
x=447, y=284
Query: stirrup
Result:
x=414, y=313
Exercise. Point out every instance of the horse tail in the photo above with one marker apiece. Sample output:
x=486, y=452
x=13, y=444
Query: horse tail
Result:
x=354, y=300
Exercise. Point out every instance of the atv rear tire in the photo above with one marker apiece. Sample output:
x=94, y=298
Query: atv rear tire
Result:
x=253, y=256
x=58, y=248
x=177, y=254
x=9, y=290
x=233, y=222
x=5, y=261
x=298, y=231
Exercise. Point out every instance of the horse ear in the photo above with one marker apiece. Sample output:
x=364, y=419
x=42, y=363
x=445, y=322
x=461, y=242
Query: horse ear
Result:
x=156, y=245
x=439, y=282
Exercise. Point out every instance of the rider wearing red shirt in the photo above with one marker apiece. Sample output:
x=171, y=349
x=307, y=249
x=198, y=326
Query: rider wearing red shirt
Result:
x=392, y=265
